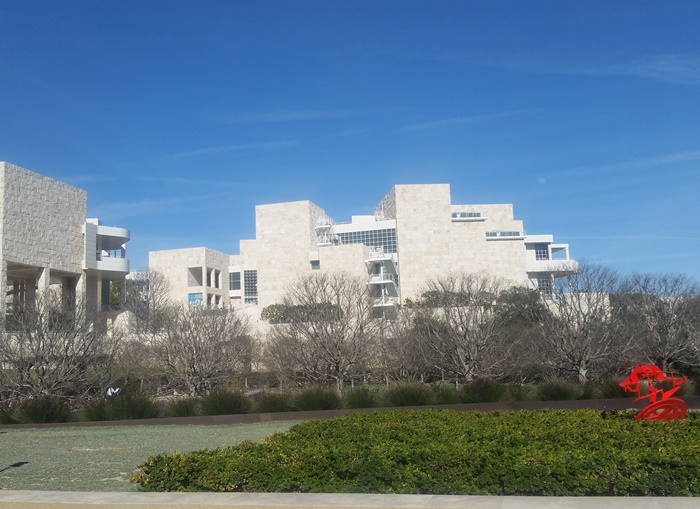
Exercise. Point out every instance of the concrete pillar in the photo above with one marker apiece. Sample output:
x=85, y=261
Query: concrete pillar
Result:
x=44, y=280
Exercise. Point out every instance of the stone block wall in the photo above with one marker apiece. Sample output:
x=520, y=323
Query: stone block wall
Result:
x=42, y=220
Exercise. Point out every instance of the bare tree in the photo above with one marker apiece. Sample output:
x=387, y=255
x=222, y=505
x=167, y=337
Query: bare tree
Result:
x=148, y=298
x=323, y=329
x=49, y=349
x=399, y=355
x=522, y=312
x=584, y=331
x=662, y=314
x=201, y=347
x=149, y=309
x=460, y=327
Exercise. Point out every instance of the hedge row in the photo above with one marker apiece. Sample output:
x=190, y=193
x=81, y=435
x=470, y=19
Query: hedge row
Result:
x=138, y=405
x=550, y=452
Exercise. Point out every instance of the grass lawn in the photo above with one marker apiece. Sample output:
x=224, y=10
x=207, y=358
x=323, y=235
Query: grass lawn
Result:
x=101, y=458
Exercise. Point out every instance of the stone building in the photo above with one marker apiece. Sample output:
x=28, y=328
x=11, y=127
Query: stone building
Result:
x=47, y=242
x=415, y=233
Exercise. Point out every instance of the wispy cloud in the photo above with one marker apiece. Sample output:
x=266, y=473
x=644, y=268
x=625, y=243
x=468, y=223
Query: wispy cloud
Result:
x=629, y=237
x=149, y=206
x=637, y=164
x=223, y=149
x=78, y=180
x=188, y=181
x=447, y=122
x=296, y=115
x=671, y=68
x=679, y=68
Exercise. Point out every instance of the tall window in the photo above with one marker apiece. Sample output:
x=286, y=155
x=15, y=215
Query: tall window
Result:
x=250, y=286
x=234, y=281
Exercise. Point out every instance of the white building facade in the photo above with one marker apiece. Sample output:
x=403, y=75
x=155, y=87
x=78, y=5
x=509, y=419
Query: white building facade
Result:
x=48, y=242
x=414, y=234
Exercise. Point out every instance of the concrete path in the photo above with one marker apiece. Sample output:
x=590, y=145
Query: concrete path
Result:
x=80, y=500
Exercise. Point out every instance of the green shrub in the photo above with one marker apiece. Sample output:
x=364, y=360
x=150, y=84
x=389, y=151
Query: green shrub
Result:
x=183, y=407
x=524, y=392
x=271, y=402
x=362, y=396
x=94, y=411
x=42, y=409
x=317, y=397
x=130, y=405
x=484, y=390
x=557, y=389
x=610, y=389
x=6, y=415
x=444, y=394
x=550, y=452
x=407, y=394
x=590, y=391
x=687, y=388
x=225, y=403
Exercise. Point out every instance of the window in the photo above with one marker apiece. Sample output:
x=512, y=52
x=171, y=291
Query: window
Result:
x=234, y=281
x=315, y=264
x=465, y=215
x=195, y=299
x=541, y=252
x=502, y=234
x=385, y=238
x=250, y=286
x=544, y=285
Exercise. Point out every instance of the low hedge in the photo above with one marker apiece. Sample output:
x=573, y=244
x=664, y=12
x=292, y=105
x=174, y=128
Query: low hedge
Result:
x=549, y=452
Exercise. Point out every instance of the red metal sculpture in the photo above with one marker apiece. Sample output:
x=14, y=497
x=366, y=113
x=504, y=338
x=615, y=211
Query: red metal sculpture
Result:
x=662, y=406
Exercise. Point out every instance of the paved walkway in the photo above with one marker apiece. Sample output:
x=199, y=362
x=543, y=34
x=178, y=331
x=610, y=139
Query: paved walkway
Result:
x=79, y=500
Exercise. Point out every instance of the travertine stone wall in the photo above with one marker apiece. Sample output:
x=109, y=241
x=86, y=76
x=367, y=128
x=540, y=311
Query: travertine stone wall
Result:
x=285, y=236
x=386, y=209
x=42, y=220
x=175, y=265
x=471, y=252
x=348, y=258
x=423, y=221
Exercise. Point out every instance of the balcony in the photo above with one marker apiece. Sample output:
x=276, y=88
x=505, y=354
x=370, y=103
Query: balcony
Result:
x=105, y=262
x=386, y=301
x=105, y=250
x=376, y=255
x=560, y=267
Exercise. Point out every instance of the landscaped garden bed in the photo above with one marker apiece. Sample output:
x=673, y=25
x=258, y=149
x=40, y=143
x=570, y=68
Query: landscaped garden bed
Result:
x=550, y=452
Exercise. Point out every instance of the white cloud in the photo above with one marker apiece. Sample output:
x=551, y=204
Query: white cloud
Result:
x=679, y=68
x=149, y=206
x=637, y=164
x=470, y=119
x=295, y=115
x=670, y=68
x=266, y=145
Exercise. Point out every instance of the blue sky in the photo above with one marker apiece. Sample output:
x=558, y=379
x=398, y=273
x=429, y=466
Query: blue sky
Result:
x=178, y=117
